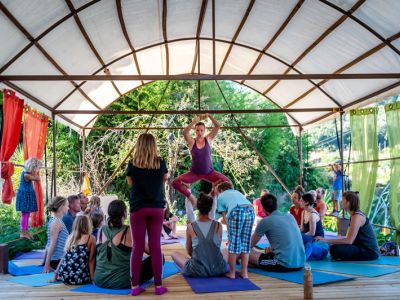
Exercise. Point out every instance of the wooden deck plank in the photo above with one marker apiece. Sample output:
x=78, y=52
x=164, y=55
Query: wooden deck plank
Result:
x=383, y=287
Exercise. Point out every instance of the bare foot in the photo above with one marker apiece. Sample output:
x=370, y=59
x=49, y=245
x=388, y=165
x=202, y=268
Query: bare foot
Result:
x=230, y=275
x=244, y=275
x=173, y=236
x=166, y=237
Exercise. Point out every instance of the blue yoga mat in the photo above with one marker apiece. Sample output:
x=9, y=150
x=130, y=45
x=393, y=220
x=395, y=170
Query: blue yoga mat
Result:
x=169, y=269
x=15, y=270
x=29, y=255
x=382, y=260
x=298, y=276
x=35, y=280
x=220, y=284
x=351, y=268
x=91, y=288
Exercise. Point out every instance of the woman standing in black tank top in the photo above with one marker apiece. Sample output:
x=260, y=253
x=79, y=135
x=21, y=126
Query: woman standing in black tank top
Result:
x=360, y=242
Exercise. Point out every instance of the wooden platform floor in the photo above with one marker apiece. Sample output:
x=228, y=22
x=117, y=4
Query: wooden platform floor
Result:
x=383, y=287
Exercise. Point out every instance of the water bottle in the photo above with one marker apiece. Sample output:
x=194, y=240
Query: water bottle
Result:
x=308, y=282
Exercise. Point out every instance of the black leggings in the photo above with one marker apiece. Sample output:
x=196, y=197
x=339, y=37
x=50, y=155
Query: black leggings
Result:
x=268, y=262
x=146, y=273
x=352, y=252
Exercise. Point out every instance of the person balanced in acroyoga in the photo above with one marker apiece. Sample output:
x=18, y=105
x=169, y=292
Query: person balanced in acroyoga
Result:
x=200, y=150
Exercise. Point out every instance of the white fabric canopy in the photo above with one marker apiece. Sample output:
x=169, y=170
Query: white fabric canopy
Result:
x=289, y=35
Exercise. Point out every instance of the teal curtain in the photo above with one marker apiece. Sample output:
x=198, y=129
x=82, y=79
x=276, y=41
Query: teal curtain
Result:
x=364, y=144
x=393, y=126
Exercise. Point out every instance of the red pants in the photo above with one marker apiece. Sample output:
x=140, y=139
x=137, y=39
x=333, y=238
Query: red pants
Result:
x=191, y=177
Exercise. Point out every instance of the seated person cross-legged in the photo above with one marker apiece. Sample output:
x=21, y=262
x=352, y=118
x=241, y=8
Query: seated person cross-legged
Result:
x=114, y=247
x=287, y=250
x=360, y=242
x=311, y=224
x=203, y=242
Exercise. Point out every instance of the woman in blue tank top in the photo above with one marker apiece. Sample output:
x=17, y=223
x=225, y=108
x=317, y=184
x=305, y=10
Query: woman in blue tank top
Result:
x=360, y=242
x=311, y=224
x=57, y=233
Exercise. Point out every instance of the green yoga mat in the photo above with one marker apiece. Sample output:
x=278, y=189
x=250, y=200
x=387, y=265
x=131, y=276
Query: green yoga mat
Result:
x=352, y=268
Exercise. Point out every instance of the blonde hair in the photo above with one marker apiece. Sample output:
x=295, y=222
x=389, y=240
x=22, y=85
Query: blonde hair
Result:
x=94, y=202
x=82, y=226
x=32, y=164
x=146, y=154
x=56, y=203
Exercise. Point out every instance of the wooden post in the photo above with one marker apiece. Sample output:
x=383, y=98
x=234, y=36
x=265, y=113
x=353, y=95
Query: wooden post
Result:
x=300, y=156
x=54, y=177
x=83, y=155
x=4, y=258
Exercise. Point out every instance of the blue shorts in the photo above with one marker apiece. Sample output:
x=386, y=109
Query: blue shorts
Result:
x=240, y=224
x=337, y=195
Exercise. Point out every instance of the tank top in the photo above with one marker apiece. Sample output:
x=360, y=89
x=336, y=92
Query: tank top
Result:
x=201, y=159
x=319, y=230
x=319, y=206
x=112, y=261
x=205, y=229
x=207, y=260
x=366, y=236
x=61, y=239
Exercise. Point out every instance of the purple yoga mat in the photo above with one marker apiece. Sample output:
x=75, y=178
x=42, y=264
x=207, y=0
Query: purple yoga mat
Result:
x=220, y=284
x=29, y=255
x=171, y=241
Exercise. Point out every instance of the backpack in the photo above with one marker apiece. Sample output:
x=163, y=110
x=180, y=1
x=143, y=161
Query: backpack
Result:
x=389, y=249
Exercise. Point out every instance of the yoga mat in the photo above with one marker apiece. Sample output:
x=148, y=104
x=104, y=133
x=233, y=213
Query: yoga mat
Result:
x=15, y=270
x=91, y=288
x=169, y=269
x=35, y=280
x=382, y=260
x=298, y=276
x=171, y=241
x=220, y=284
x=351, y=268
x=29, y=255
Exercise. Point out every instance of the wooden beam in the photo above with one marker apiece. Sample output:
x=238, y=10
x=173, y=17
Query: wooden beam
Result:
x=317, y=42
x=165, y=35
x=363, y=24
x=251, y=144
x=235, y=36
x=213, y=35
x=41, y=49
x=180, y=127
x=44, y=33
x=235, y=77
x=196, y=58
x=126, y=35
x=193, y=112
x=89, y=42
x=275, y=36
x=344, y=68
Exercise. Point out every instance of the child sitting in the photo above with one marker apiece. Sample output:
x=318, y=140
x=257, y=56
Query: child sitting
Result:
x=169, y=224
x=97, y=219
x=238, y=214
x=94, y=204
x=77, y=266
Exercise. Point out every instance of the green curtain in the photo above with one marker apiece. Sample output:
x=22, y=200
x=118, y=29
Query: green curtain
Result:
x=393, y=126
x=364, y=144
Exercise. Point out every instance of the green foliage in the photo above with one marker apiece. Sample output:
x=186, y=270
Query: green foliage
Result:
x=9, y=232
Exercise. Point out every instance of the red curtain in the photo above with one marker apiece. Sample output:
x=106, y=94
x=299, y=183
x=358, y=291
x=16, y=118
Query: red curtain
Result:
x=35, y=132
x=12, y=122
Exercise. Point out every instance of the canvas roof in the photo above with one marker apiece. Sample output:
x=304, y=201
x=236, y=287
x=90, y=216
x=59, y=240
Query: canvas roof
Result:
x=163, y=37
